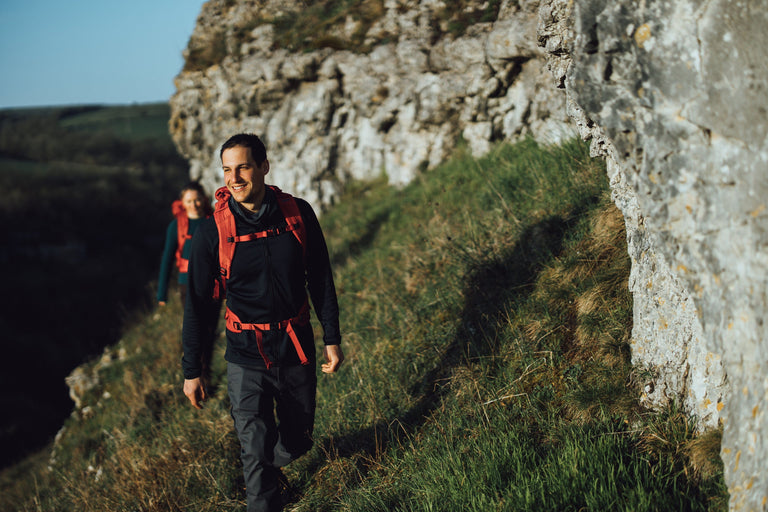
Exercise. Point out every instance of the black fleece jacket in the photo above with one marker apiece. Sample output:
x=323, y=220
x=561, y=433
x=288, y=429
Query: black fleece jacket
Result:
x=268, y=283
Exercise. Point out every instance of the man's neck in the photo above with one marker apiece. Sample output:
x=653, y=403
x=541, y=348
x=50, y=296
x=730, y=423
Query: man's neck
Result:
x=255, y=205
x=255, y=215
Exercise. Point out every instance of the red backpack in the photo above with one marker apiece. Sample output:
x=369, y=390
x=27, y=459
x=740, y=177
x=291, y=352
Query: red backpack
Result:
x=182, y=233
x=228, y=239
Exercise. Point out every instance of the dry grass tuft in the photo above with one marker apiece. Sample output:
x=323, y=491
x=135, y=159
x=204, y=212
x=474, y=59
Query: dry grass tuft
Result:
x=704, y=453
x=534, y=329
x=608, y=229
x=593, y=300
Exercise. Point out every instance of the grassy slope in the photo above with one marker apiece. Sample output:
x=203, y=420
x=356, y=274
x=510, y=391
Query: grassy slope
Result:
x=486, y=320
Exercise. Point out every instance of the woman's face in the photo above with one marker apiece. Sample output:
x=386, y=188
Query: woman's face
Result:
x=193, y=204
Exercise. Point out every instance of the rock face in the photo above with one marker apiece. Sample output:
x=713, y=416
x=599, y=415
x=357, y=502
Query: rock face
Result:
x=327, y=116
x=673, y=94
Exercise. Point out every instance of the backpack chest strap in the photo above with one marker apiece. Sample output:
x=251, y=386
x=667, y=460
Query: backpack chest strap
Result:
x=261, y=234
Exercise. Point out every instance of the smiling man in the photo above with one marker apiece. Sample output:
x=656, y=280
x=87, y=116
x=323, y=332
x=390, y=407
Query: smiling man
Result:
x=265, y=249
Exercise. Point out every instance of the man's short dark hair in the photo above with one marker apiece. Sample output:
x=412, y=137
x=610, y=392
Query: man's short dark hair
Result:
x=247, y=140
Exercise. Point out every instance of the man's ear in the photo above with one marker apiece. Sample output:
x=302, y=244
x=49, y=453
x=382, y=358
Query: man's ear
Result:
x=265, y=167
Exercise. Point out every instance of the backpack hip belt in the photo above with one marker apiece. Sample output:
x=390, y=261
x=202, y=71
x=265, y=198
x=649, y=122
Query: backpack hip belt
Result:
x=235, y=325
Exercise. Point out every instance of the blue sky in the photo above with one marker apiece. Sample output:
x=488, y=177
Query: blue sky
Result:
x=57, y=52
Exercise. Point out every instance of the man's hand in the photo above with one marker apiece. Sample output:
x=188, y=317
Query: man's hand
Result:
x=195, y=391
x=333, y=357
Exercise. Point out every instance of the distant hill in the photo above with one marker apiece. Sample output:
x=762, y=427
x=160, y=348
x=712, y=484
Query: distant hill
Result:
x=86, y=201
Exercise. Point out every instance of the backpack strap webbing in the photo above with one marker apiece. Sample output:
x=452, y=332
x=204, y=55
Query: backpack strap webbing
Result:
x=182, y=234
x=294, y=220
x=235, y=325
x=228, y=237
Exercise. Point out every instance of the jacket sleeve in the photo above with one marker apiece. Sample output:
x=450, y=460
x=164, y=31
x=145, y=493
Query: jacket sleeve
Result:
x=167, y=261
x=320, y=277
x=201, y=309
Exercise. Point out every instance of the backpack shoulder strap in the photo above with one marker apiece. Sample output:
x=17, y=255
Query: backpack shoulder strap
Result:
x=225, y=225
x=293, y=218
x=177, y=207
x=182, y=233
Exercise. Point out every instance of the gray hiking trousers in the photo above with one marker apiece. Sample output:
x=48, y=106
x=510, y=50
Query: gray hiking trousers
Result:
x=267, y=443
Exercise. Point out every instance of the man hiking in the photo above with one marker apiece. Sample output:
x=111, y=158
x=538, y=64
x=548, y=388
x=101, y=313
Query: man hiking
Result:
x=264, y=249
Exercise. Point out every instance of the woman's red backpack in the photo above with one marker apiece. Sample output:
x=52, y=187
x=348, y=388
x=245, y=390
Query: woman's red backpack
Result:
x=182, y=234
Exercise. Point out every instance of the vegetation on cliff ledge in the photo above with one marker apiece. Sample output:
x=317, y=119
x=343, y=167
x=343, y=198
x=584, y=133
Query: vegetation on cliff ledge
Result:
x=486, y=322
x=315, y=24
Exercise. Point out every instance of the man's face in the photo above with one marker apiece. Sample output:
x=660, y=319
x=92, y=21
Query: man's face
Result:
x=243, y=176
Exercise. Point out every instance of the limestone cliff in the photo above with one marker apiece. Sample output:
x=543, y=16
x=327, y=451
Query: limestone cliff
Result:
x=672, y=94
x=398, y=106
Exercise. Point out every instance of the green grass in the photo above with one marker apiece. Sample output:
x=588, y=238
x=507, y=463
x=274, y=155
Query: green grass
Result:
x=486, y=321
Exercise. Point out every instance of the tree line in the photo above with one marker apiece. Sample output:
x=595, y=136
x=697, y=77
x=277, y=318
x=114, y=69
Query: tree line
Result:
x=42, y=135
